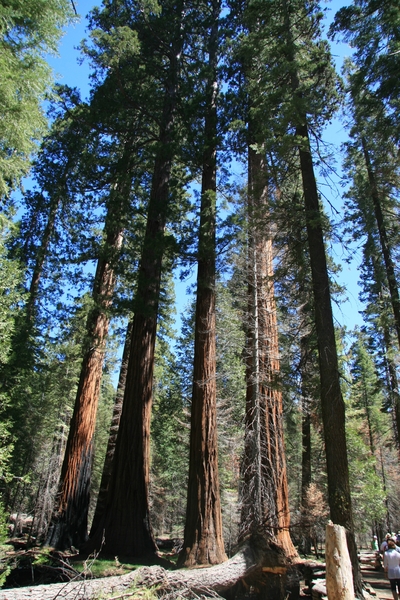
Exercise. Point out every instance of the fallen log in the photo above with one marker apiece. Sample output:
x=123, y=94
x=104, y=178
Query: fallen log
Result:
x=257, y=560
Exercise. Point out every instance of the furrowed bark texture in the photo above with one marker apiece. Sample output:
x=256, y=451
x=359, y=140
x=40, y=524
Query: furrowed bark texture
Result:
x=332, y=404
x=265, y=492
x=203, y=541
x=70, y=517
x=112, y=438
x=125, y=524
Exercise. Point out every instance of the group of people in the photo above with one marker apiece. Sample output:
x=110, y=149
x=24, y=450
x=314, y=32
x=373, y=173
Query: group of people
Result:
x=390, y=548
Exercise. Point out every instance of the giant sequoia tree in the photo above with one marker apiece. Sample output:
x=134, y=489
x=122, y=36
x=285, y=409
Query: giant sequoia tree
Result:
x=304, y=99
x=265, y=492
x=125, y=523
x=203, y=543
x=154, y=121
x=69, y=523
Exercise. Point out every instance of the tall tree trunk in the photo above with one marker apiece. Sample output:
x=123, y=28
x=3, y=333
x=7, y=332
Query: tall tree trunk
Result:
x=40, y=258
x=391, y=372
x=265, y=492
x=69, y=521
x=305, y=368
x=385, y=245
x=203, y=540
x=112, y=438
x=332, y=404
x=125, y=523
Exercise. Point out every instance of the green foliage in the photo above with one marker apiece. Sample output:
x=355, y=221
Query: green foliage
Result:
x=367, y=431
x=11, y=297
x=5, y=567
x=367, y=492
x=170, y=433
x=372, y=29
x=29, y=29
x=11, y=294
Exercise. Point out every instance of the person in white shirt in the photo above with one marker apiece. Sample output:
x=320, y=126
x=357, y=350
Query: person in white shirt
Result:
x=391, y=564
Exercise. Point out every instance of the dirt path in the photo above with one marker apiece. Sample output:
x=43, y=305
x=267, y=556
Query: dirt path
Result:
x=378, y=581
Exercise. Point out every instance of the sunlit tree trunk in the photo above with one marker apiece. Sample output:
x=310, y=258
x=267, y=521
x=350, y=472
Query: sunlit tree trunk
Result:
x=203, y=541
x=70, y=516
x=125, y=523
x=265, y=504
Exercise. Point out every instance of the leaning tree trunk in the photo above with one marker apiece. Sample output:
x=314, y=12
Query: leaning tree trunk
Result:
x=332, y=404
x=391, y=372
x=265, y=503
x=384, y=240
x=203, y=541
x=70, y=515
x=124, y=528
x=41, y=257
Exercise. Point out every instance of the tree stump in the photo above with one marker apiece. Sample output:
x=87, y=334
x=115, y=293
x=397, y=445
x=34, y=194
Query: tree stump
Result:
x=339, y=576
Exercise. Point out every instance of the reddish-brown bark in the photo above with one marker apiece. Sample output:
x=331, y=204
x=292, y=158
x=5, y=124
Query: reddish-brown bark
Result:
x=265, y=491
x=203, y=541
x=125, y=523
x=69, y=522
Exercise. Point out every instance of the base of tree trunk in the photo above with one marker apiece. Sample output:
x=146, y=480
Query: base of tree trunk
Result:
x=259, y=570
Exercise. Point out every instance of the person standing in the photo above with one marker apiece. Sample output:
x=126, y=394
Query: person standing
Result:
x=384, y=545
x=391, y=564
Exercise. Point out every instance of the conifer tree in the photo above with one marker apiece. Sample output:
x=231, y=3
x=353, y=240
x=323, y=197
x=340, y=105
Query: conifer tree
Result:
x=125, y=523
x=300, y=103
x=203, y=542
x=69, y=523
x=29, y=30
x=265, y=501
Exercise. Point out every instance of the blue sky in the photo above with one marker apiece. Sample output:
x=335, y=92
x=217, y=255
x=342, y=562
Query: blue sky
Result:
x=69, y=71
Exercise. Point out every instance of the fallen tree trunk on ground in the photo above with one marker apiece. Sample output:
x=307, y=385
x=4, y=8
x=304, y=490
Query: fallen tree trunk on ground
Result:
x=256, y=561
